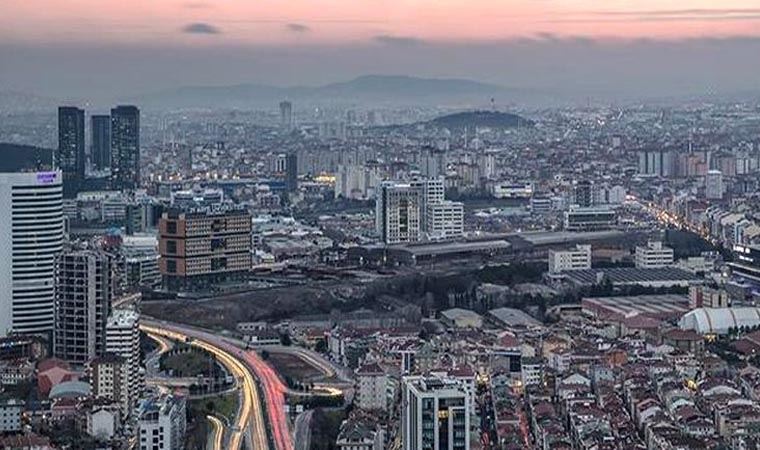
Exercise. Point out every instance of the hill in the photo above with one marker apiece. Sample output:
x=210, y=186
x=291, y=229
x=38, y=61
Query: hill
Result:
x=369, y=89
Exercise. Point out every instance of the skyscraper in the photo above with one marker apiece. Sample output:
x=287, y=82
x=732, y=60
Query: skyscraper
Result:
x=31, y=238
x=70, y=157
x=125, y=147
x=286, y=115
x=291, y=172
x=435, y=414
x=84, y=289
x=123, y=339
x=100, y=144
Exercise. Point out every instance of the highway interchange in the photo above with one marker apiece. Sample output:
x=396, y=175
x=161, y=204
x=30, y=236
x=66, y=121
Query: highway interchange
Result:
x=261, y=420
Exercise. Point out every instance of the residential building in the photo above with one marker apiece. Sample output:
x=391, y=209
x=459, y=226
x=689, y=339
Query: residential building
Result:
x=373, y=385
x=162, y=423
x=714, y=185
x=109, y=377
x=123, y=339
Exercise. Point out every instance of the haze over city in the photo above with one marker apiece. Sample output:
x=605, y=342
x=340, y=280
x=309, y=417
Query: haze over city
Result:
x=610, y=50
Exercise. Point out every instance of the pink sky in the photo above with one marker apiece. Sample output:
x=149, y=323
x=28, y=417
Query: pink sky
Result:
x=266, y=22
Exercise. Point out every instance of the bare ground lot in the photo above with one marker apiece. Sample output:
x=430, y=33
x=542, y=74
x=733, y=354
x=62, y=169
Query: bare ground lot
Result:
x=226, y=311
x=294, y=367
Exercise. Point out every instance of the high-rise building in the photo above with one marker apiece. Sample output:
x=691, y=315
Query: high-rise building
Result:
x=291, y=172
x=162, y=423
x=444, y=220
x=70, y=157
x=123, y=339
x=435, y=414
x=658, y=163
x=125, y=147
x=398, y=212
x=31, y=238
x=100, y=144
x=714, y=185
x=204, y=246
x=84, y=291
x=286, y=115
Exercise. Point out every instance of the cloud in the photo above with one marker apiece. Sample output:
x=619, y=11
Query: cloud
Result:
x=399, y=41
x=663, y=15
x=200, y=28
x=297, y=28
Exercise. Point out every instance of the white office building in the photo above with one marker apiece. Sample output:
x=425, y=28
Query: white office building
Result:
x=445, y=220
x=653, y=255
x=31, y=238
x=574, y=259
x=162, y=423
x=435, y=414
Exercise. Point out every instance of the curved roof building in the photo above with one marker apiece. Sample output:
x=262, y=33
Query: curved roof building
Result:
x=719, y=320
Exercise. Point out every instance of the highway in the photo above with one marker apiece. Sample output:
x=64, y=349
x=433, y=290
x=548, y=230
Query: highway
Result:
x=250, y=419
x=217, y=436
x=274, y=391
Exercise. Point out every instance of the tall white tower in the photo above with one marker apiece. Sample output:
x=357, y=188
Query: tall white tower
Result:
x=31, y=236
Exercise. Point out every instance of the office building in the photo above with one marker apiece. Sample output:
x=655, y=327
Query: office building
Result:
x=100, y=144
x=201, y=247
x=444, y=220
x=162, y=423
x=109, y=377
x=70, y=157
x=140, y=253
x=123, y=339
x=286, y=115
x=435, y=414
x=574, y=259
x=84, y=291
x=653, y=255
x=398, y=213
x=125, y=147
x=746, y=265
x=714, y=185
x=31, y=238
x=589, y=219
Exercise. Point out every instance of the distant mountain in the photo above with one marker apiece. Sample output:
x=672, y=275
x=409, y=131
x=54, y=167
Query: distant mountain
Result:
x=389, y=89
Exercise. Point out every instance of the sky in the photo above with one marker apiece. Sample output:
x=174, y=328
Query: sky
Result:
x=116, y=48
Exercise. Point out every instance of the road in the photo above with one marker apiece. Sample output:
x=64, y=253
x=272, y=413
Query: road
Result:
x=303, y=430
x=250, y=417
x=274, y=392
x=216, y=438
